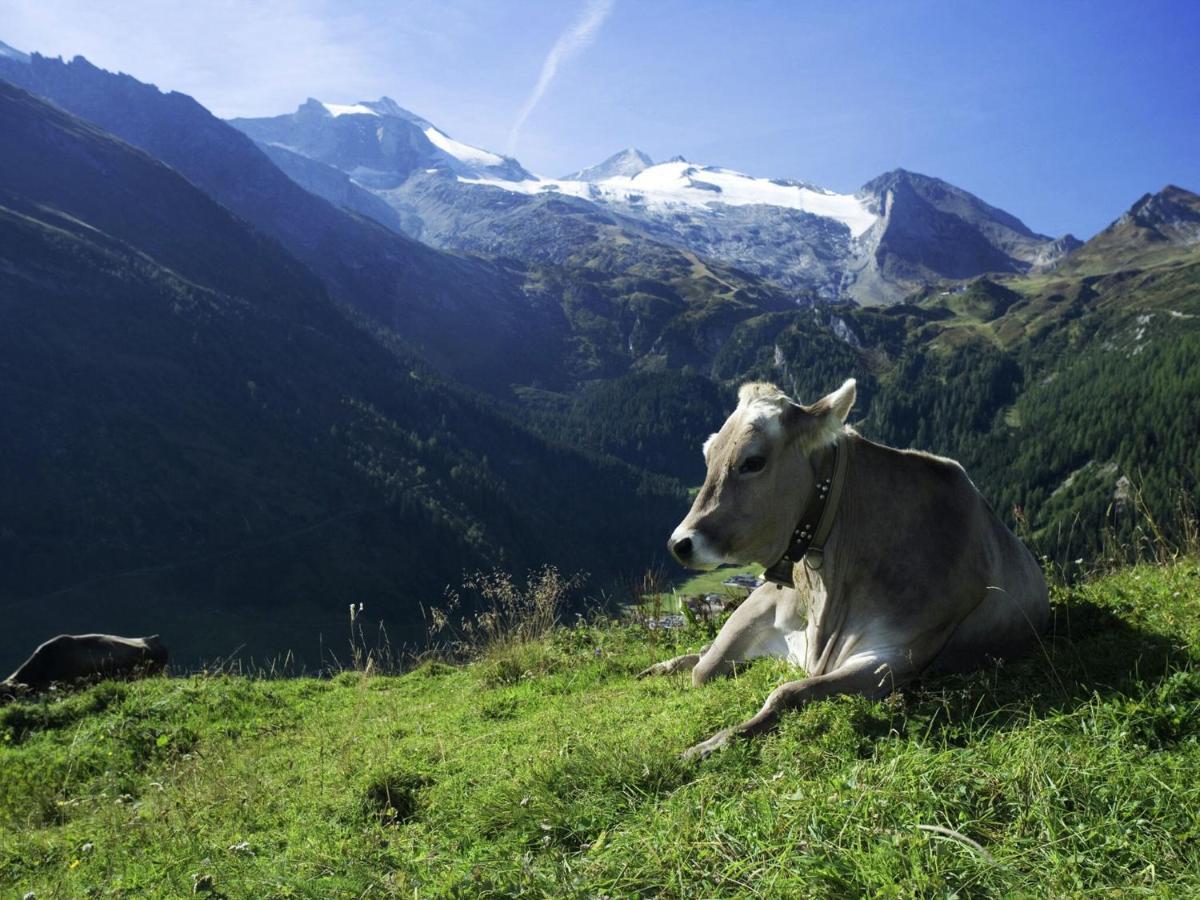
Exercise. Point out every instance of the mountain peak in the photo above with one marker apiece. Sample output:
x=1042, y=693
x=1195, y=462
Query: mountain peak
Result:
x=908, y=187
x=338, y=110
x=1171, y=206
x=377, y=143
x=13, y=53
x=384, y=107
x=1158, y=228
x=892, y=179
x=626, y=163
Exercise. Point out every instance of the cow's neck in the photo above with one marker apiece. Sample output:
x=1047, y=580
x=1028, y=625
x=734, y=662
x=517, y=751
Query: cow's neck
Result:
x=826, y=608
x=816, y=520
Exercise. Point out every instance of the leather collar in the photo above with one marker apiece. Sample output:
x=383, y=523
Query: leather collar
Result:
x=815, y=523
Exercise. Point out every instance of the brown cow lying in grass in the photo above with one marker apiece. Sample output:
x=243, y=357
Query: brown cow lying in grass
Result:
x=882, y=563
x=71, y=657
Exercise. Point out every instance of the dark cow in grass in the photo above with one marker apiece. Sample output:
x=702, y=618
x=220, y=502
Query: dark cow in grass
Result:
x=72, y=657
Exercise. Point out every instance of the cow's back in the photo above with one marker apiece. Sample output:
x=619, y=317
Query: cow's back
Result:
x=923, y=552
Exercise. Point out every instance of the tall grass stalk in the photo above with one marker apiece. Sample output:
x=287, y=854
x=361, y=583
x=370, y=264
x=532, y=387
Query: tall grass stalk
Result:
x=491, y=611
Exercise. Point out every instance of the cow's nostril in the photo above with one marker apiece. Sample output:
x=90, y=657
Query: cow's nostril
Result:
x=683, y=548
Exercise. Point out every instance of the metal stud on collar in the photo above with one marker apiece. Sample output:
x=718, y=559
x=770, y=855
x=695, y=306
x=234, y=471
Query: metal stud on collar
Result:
x=805, y=533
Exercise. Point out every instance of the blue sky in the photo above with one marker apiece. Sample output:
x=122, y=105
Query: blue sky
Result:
x=1060, y=112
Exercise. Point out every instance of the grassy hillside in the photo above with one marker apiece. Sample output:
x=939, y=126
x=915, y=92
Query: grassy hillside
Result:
x=547, y=769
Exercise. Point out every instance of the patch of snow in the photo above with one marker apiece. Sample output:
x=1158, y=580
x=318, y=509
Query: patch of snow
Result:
x=679, y=183
x=1176, y=314
x=463, y=152
x=843, y=332
x=356, y=109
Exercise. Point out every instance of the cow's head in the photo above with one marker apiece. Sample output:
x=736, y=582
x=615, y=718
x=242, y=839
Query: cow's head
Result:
x=759, y=477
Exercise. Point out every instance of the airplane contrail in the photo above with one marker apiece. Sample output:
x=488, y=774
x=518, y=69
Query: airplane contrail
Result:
x=577, y=37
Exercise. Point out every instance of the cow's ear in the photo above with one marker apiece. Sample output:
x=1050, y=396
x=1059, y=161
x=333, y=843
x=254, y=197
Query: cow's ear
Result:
x=821, y=422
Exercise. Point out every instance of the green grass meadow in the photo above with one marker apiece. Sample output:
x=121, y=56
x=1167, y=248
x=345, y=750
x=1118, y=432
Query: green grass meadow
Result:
x=545, y=769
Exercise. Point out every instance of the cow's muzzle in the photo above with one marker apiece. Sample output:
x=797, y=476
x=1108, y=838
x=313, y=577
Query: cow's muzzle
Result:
x=681, y=549
x=692, y=548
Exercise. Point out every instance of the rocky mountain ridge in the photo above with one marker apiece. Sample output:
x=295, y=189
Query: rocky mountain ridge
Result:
x=1156, y=229
x=469, y=317
x=898, y=232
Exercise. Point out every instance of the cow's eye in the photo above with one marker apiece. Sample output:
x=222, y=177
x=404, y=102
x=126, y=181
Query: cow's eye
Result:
x=752, y=464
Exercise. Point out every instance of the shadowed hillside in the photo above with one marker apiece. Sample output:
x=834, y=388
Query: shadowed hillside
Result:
x=209, y=449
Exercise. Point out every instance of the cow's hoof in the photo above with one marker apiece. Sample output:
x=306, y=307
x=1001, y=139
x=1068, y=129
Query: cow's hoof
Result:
x=667, y=666
x=705, y=749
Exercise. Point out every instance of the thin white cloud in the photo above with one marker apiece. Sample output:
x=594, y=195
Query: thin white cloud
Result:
x=581, y=33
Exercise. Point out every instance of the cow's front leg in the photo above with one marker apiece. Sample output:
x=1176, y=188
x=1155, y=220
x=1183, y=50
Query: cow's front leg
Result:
x=684, y=663
x=872, y=675
x=742, y=636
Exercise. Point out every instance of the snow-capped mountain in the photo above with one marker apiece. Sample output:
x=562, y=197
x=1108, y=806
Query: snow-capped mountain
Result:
x=679, y=185
x=628, y=163
x=377, y=143
x=898, y=232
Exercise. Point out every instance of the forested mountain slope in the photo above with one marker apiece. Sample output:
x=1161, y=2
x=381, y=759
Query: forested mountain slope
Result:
x=1063, y=393
x=467, y=316
x=205, y=446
